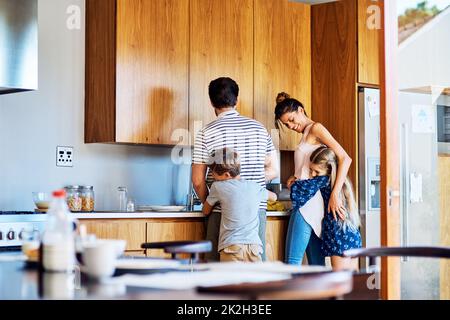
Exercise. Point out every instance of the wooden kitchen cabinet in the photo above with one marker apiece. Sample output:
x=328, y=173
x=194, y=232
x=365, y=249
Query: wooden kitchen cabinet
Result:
x=138, y=231
x=368, y=42
x=173, y=230
x=135, y=253
x=149, y=64
x=334, y=73
x=344, y=56
x=133, y=231
x=276, y=230
x=282, y=61
x=221, y=45
x=137, y=63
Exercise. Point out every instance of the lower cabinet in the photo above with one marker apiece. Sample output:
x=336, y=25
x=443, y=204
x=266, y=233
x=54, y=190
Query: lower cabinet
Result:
x=138, y=231
x=175, y=230
x=135, y=253
x=133, y=231
x=276, y=230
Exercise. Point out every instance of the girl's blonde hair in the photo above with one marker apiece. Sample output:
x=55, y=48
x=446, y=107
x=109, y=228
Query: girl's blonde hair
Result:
x=326, y=158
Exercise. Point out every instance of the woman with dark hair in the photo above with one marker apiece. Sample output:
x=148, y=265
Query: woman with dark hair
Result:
x=305, y=228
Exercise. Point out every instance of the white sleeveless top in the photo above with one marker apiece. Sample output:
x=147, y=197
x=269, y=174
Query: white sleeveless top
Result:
x=313, y=210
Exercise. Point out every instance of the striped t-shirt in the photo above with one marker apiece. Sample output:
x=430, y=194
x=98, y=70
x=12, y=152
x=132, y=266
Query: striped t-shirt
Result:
x=246, y=136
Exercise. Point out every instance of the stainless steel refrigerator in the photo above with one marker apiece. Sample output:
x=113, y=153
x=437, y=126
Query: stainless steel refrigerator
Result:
x=369, y=167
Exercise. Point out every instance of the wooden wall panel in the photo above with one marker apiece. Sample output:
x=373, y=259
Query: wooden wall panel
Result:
x=282, y=60
x=100, y=85
x=221, y=35
x=152, y=70
x=444, y=192
x=368, y=46
x=131, y=230
x=334, y=73
x=287, y=165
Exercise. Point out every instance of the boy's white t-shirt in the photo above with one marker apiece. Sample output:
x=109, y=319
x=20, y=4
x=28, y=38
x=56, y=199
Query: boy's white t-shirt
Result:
x=239, y=200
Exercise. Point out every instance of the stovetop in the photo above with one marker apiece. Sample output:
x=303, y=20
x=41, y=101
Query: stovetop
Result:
x=18, y=212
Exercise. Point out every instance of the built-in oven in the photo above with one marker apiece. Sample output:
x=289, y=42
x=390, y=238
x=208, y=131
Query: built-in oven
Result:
x=15, y=224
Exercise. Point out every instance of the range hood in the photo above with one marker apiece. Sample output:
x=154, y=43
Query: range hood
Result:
x=18, y=46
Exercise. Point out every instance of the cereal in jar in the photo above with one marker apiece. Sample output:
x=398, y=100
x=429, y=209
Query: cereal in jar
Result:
x=87, y=199
x=74, y=200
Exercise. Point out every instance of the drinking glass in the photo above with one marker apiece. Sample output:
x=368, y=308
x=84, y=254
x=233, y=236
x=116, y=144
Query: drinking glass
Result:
x=122, y=198
x=131, y=205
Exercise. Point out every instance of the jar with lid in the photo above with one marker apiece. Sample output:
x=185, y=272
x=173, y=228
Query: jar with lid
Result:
x=87, y=198
x=74, y=198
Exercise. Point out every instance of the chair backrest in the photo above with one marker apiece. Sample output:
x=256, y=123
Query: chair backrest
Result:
x=328, y=285
x=194, y=248
x=424, y=252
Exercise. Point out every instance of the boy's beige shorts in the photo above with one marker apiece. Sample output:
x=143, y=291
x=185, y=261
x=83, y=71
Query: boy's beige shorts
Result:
x=241, y=252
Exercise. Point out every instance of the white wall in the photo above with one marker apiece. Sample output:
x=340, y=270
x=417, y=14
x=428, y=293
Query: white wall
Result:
x=32, y=124
x=424, y=57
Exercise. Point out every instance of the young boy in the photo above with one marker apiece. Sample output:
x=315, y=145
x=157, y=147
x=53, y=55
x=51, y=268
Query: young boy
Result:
x=239, y=200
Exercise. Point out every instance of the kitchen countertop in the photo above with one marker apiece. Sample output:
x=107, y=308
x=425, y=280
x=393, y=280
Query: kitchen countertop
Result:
x=154, y=215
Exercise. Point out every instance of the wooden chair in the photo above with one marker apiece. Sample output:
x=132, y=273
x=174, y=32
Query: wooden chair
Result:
x=360, y=288
x=175, y=248
x=317, y=286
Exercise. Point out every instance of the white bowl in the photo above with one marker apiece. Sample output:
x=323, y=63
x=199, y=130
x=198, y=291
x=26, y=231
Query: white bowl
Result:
x=42, y=200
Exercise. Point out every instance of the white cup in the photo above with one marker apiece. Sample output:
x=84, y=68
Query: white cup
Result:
x=99, y=259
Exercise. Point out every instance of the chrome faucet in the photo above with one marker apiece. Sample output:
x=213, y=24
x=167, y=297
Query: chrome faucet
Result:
x=192, y=199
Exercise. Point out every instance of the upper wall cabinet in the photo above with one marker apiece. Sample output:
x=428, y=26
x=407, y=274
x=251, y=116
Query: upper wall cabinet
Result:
x=282, y=60
x=137, y=63
x=149, y=64
x=341, y=62
x=221, y=42
x=369, y=27
x=334, y=72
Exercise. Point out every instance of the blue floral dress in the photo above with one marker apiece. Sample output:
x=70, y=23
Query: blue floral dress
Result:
x=335, y=238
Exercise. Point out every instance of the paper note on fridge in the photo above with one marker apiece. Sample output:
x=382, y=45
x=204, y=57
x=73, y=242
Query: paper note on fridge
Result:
x=423, y=119
x=374, y=107
x=416, y=187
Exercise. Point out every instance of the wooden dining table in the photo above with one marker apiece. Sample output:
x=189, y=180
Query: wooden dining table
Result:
x=20, y=282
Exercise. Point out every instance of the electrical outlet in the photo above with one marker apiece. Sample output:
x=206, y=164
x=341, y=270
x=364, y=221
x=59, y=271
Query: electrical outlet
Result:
x=64, y=156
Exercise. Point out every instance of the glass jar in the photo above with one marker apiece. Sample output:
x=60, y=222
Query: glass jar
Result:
x=87, y=198
x=74, y=198
x=123, y=196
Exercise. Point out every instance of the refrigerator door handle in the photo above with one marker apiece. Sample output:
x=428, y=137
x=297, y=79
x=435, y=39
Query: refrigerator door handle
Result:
x=405, y=185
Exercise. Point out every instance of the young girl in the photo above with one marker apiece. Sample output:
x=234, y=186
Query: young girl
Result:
x=337, y=235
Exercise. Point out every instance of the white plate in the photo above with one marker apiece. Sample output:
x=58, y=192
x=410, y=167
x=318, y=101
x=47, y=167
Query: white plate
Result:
x=162, y=208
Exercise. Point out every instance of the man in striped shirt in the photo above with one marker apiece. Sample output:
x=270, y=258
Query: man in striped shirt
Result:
x=247, y=137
